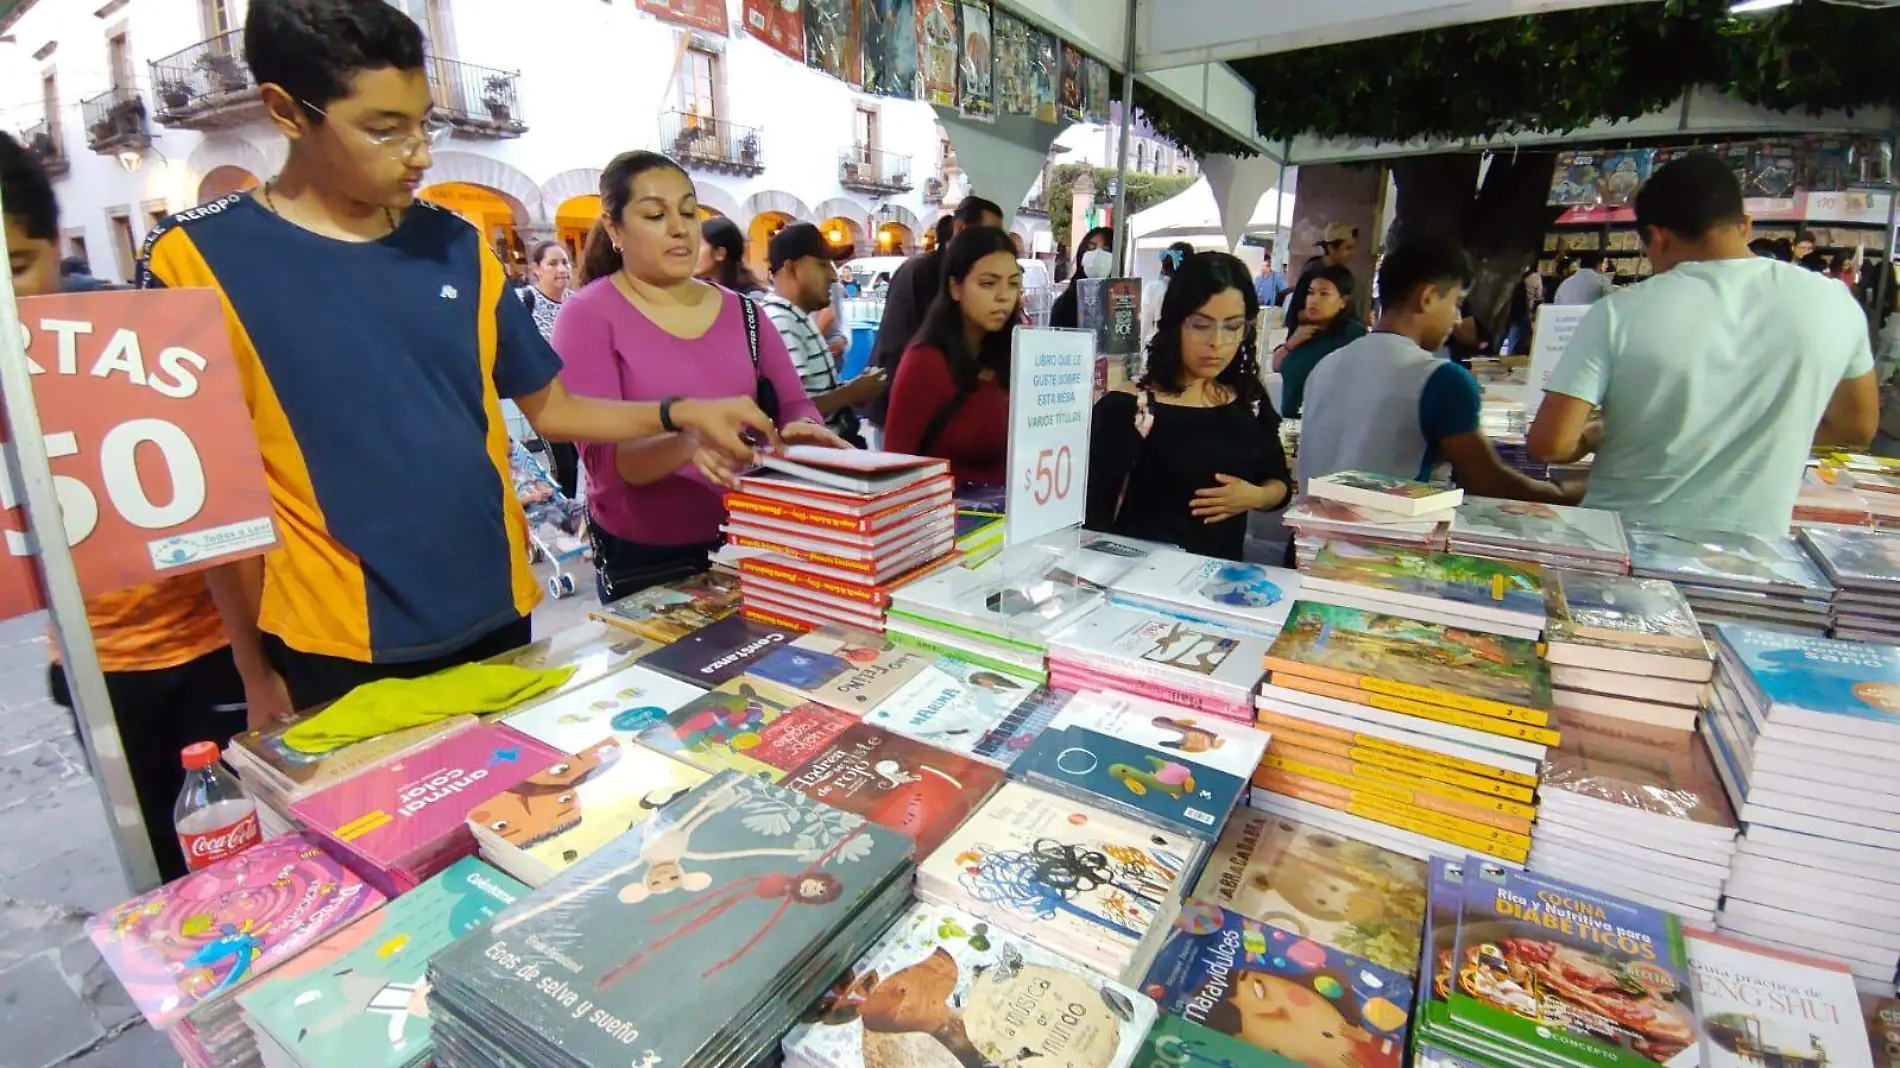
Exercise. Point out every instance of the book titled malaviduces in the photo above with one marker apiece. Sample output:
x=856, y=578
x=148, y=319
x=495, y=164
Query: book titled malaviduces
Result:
x=914, y=789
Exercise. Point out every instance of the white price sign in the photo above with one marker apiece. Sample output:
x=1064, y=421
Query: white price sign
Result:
x=1051, y=396
x=1549, y=338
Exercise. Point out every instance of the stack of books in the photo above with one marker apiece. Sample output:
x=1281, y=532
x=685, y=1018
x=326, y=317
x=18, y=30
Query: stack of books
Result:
x=1465, y=718
x=1806, y=732
x=620, y=706
x=400, y=822
x=1193, y=665
x=1353, y=896
x=186, y=951
x=1820, y=501
x=1524, y=971
x=747, y=725
x=917, y=790
x=1146, y=760
x=1626, y=647
x=979, y=535
x=1089, y=885
x=668, y=612
x=1392, y=497
x=1638, y=811
x=570, y=809
x=357, y=997
x=1864, y=565
x=1286, y=998
x=697, y=938
x=1001, y=615
x=960, y=707
x=847, y=518
x=941, y=987
x=278, y=777
x=1249, y=599
x=1315, y=522
x=846, y=668
x=1741, y=578
x=1496, y=596
x=1748, y=1017
x=1581, y=539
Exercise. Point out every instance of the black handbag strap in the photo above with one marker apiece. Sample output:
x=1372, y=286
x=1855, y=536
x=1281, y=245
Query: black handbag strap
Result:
x=763, y=389
x=942, y=419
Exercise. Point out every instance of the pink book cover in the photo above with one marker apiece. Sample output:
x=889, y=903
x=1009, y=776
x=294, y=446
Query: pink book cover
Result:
x=195, y=939
x=407, y=809
x=1069, y=675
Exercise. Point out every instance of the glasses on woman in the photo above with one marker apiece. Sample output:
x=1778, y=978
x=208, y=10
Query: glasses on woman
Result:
x=1230, y=332
x=434, y=129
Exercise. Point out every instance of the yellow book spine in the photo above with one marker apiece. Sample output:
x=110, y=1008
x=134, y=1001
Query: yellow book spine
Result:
x=1380, y=813
x=1353, y=740
x=1495, y=811
x=1436, y=713
x=1425, y=820
x=1483, y=706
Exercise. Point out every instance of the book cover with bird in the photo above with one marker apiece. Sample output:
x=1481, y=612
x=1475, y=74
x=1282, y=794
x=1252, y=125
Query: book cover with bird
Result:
x=918, y=790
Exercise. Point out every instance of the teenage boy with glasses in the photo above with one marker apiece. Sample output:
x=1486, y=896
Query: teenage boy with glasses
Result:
x=376, y=336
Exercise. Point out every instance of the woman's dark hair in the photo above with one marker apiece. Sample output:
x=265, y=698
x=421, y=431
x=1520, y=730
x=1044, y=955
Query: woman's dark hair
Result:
x=540, y=250
x=943, y=323
x=27, y=192
x=724, y=234
x=1815, y=261
x=599, y=257
x=1067, y=309
x=312, y=48
x=1175, y=255
x=1339, y=275
x=1200, y=278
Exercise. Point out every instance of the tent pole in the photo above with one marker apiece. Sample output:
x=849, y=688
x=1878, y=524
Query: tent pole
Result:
x=1123, y=257
x=1883, y=297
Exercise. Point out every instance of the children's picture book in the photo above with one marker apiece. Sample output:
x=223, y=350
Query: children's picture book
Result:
x=1533, y=525
x=950, y=700
x=1824, y=684
x=1003, y=743
x=1759, y=1006
x=1382, y=493
x=364, y=1006
x=749, y=726
x=771, y=22
x=914, y=789
x=1253, y=598
x=1620, y=173
x=576, y=805
x=1100, y=768
x=706, y=909
x=1510, y=586
x=296, y=774
x=1311, y=1005
x=1202, y=739
x=416, y=806
x=1044, y=75
x=843, y=667
x=1569, y=975
x=1343, y=893
x=1076, y=879
x=1651, y=613
x=717, y=653
x=1574, y=182
x=670, y=612
x=218, y=928
x=1724, y=558
x=622, y=704
x=1619, y=767
x=944, y=987
x=1408, y=658
x=1175, y=1043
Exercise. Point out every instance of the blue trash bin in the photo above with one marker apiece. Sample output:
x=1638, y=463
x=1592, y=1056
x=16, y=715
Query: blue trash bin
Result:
x=858, y=356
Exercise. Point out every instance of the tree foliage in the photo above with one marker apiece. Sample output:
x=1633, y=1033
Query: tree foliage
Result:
x=1144, y=190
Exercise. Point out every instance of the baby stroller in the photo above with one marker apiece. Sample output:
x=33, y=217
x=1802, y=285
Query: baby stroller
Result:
x=557, y=524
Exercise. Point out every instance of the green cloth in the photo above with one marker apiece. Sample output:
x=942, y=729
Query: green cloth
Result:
x=1299, y=363
x=377, y=708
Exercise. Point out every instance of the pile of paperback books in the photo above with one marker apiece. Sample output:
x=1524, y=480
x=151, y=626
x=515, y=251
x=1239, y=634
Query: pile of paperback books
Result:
x=278, y=776
x=1738, y=577
x=1626, y=647
x=1361, y=506
x=1499, y=596
x=697, y=938
x=1248, y=599
x=1581, y=539
x=1865, y=566
x=1194, y=665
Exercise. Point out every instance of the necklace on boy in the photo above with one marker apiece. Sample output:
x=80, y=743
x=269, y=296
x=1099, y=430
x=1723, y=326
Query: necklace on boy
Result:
x=389, y=217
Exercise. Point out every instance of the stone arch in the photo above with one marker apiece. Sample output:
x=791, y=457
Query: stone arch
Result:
x=223, y=179
x=230, y=151
x=720, y=201
x=579, y=182
x=898, y=213
x=776, y=200
x=843, y=208
x=471, y=169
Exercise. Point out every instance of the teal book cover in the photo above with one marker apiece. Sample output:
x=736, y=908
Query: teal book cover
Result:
x=360, y=1003
x=642, y=951
x=1185, y=796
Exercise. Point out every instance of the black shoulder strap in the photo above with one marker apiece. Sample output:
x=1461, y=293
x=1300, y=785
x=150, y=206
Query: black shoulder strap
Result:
x=751, y=313
x=942, y=419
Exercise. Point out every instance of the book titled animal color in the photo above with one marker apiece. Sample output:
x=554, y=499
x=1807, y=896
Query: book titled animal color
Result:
x=843, y=667
x=914, y=789
x=622, y=704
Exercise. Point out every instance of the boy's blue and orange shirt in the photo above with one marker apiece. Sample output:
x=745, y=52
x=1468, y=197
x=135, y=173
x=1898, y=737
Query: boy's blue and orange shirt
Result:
x=374, y=373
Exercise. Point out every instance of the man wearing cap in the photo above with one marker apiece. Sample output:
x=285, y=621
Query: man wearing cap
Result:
x=804, y=273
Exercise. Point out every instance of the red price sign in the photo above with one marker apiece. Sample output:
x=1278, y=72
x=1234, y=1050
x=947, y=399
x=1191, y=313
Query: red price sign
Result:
x=1052, y=476
x=153, y=457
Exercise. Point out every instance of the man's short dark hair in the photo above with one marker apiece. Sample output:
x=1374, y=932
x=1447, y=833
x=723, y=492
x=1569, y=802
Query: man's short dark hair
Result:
x=1806, y=235
x=1424, y=261
x=970, y=210
x=312, y=48
x=1690, y=197
x=27, y=192
x=1589, y=261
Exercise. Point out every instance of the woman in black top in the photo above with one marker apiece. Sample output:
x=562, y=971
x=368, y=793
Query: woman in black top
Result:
x=1067, y=310
x=1186, y=453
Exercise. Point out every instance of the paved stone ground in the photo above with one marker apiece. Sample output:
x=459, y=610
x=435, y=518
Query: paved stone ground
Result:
x=58, y=1003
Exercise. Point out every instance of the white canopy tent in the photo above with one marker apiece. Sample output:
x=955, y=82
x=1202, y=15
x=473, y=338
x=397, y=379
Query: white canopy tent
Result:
x=1194, y=216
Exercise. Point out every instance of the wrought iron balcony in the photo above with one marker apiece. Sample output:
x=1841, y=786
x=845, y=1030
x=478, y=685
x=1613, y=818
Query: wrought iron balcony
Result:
x=206, y=86
x=933, y=189
x=712, y=144
x=1035, y=205
x=115, y=119
x=43, y=140
x=869, y=170
x=477, y=101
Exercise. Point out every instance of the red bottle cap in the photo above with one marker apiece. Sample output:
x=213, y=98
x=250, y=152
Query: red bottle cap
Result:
x=199, y=755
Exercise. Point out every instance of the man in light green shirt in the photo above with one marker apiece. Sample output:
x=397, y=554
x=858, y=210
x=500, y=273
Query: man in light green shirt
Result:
x=1715, y=376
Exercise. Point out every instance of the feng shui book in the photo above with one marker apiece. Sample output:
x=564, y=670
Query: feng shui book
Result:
x=622, y=704
x=749, y=726
x=914, y=789
x=842, y=667
x=1758, y=1005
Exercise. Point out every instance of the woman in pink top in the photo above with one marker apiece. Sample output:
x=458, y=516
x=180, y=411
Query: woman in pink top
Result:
x=643, y=328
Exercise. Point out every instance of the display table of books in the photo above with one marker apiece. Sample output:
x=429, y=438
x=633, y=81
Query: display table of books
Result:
x=1096, y=803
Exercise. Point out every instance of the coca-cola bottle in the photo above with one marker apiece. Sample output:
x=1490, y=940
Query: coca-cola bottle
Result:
x=214, y=817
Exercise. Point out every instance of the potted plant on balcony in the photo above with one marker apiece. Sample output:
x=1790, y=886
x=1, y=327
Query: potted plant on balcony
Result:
x=175, y=94
x=749, y=150
x=126, y=119
x=497, y=97
x=42, y=144
x=225, y=72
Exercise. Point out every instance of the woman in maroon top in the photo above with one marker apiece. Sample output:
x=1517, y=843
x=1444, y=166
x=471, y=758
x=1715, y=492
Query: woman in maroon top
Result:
x=950, y=397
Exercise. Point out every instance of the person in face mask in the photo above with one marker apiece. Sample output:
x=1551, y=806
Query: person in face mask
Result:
x=1093, y=259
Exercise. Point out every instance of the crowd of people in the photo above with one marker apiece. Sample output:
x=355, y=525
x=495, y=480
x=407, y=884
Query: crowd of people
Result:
x=668, y=363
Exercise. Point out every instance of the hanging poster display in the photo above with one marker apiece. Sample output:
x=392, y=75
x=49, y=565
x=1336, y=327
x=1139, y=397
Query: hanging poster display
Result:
x=779, y=23
x=1094, y=89
x=1110, y=308
x=1044, y=75
x=1574, y=181
x=1010, y=38
x=831, y=38
x=937, y=42
x=890, y=47
x=707, y=16
x=1071, y=87
x=1621, y=174
x=153, y=456
x=977, y=97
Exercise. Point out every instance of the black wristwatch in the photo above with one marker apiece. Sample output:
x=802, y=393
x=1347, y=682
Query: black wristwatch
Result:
x=666, y=414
